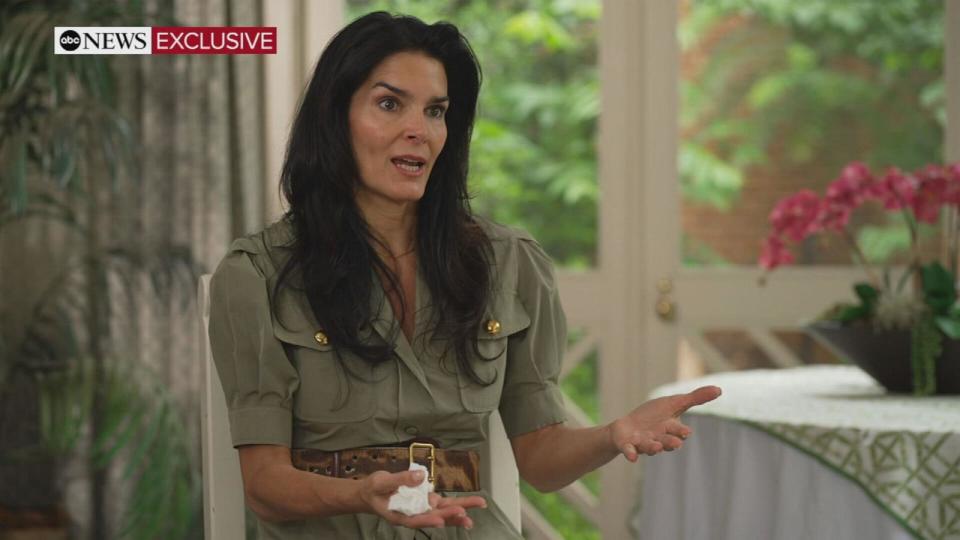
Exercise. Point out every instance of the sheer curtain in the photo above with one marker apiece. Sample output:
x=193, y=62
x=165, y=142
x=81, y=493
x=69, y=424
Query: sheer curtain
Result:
x=198, y=183
x=199, y=126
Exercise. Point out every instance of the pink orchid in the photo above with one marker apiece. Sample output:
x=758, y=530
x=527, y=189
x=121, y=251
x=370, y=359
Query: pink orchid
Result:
x=896, y=190
x=930, y=195
x=796, y=216
x=774, y=253
x=833, y=216
x=855, y=185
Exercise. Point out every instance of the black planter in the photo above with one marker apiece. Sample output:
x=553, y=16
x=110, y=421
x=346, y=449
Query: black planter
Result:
x=885, y=356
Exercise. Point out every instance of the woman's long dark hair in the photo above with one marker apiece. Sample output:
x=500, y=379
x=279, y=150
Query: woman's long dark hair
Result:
x=332, y=259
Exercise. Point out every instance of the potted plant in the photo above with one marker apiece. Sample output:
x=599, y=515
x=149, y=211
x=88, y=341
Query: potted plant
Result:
x=904, y=329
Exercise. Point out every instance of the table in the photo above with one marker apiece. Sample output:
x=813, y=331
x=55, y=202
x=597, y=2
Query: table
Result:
x=817, y=452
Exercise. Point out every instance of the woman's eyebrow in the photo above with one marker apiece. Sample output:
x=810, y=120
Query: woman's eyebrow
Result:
x=404, y=94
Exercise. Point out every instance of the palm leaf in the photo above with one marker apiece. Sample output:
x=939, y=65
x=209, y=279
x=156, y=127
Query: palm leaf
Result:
x=35, y=31
x=141, y=428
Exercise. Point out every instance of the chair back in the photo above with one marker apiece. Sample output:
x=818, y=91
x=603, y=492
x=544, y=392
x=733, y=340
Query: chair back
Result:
x=223, y=508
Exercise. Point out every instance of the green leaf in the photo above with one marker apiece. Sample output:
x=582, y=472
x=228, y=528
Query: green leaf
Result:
x=939, y=289
x=769, y=89
x=950, y=326
x=150, y=433
x=14, y=153
x=867, y=294
x=36, y=32
x=532, y=27
x=848, y=314
x=707, y=179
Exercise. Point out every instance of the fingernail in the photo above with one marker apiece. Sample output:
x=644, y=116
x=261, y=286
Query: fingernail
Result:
x=418, y=476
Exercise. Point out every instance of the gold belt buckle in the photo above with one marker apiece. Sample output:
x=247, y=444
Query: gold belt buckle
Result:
x=432, y=458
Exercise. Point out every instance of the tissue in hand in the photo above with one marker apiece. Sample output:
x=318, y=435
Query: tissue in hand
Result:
x=412, y=500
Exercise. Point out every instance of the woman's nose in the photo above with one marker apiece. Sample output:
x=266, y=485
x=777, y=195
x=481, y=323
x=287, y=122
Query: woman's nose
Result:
x=415, y=129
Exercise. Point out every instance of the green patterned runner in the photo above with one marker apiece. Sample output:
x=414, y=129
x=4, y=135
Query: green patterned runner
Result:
x=903, y=451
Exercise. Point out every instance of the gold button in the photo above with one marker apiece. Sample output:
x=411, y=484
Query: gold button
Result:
x=493, y=327
x=321, y=338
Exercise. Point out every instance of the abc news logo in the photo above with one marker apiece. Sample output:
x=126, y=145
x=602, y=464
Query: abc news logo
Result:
x=165, y=40
x=102, y=40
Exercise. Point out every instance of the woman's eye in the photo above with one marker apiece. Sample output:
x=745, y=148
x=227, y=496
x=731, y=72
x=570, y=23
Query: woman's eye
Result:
x=388, y=104
x=436, y=111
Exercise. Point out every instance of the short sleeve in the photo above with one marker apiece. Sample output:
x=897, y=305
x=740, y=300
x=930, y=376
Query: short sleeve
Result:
x=531, y=397
x=258, y=379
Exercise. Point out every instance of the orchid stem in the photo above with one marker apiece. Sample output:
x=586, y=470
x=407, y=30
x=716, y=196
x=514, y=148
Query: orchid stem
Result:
x=861, y=258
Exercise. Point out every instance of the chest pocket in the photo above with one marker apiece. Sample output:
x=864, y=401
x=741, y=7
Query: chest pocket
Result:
x=506, y=318
x=327, y=394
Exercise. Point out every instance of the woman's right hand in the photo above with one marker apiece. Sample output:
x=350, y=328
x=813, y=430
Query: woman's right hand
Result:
x=445, y=511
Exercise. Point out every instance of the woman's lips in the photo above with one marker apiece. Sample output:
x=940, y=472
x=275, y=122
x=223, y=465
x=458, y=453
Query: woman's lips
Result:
x=409, y=166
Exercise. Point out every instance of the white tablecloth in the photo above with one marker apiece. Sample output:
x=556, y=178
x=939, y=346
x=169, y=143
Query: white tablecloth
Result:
x=808, y=453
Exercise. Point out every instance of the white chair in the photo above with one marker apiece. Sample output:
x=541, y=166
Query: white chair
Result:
x=223, y=507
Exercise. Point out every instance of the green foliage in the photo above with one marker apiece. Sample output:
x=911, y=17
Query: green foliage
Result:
x=940, y=293
x=939, y=288
x=580, y=386
x=797, y=81
x=564, y=518
x=142, y=429
x=867, y=294
x=706, y=179
x=56, y=112
x=848, y=313
x=950, y=326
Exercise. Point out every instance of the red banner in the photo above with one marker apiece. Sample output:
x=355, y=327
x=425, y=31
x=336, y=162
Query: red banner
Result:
x=214, y=40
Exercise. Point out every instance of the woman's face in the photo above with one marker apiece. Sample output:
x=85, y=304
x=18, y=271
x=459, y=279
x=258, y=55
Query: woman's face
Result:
x=397, y=127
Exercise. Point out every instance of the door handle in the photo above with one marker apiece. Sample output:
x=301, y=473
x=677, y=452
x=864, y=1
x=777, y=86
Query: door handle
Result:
x=665, y=307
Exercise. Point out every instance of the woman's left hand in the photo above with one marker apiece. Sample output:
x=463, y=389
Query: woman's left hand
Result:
x=655, y=426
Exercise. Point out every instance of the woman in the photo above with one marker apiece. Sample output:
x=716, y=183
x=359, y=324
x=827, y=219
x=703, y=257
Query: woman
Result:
x=379, y=312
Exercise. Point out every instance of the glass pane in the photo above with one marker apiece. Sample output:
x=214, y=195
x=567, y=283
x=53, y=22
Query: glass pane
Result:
x=533, y=161
x=780, y=96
